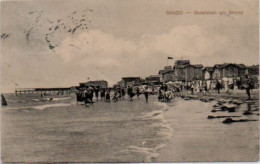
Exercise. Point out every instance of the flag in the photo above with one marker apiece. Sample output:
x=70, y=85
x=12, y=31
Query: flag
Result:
x=170, y=58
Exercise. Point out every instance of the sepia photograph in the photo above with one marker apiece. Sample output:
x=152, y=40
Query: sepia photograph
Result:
x=129, y=81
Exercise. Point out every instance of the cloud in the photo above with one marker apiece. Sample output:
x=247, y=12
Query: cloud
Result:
x=117, y=56
x=99, y=55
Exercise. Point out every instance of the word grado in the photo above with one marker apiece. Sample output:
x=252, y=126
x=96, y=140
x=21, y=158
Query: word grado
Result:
x=174, y=12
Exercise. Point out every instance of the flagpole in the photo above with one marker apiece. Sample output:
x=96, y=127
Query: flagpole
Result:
x=167, y=61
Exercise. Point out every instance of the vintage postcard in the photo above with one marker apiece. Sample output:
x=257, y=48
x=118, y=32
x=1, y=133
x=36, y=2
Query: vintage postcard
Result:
x=87, y=81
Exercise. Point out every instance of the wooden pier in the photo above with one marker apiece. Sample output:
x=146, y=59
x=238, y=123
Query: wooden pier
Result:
x=42, y=91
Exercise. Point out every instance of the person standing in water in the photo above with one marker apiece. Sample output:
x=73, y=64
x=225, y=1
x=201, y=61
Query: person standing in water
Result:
x=146, y=94
x=108, y=96
x=97, y=92
x=87, y=98
x=102, y=94
x=91, y=94
x=138, y=92
x=123, y=92
x=130, y=92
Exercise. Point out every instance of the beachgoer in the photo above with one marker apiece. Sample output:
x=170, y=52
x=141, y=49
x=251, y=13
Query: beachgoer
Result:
x=192, y=88
x=102, y=94
x=130, y=92
x=146, y=94
x=123, y=92
x=3, y=100
x=116, y=96
x=97, y=93
x=205, y=89
x=160, y=95
x=87, y=97
x=78, y=96
x=138, y=92
x=91, y=94
x=249, y=85
x=218, y=86
x=108, y=96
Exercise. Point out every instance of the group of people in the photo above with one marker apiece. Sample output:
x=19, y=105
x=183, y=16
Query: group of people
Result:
x=165, y=93
x=217, y=85
x=87, y=94
x=203, y=86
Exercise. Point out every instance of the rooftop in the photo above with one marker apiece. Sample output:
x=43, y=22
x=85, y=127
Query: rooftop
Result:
x=165, y=71
x=227, y=64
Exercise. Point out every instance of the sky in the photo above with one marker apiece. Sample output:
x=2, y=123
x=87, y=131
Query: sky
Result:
x=62, y=43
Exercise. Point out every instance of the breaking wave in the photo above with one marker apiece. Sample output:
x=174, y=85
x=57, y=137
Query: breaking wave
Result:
x=165, y=132
x=40, y=107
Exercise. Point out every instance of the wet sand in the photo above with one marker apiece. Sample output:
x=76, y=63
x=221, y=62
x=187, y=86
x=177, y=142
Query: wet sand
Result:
x=198, y=139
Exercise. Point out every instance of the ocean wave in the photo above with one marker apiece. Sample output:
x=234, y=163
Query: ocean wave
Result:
x=62, y=98
x=39, y=107
x=165, y=131
x=157, y=114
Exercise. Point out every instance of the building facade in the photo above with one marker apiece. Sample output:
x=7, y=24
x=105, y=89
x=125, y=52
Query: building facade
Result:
x=152, y=79
x=228, y=70
x=253, y=70
x=131, y=81
x=97, y=83
x=184, y=71
x=207, y=73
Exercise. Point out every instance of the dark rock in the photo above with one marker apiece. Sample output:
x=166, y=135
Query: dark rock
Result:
x=211, y=98
x=155, y=114
x=231, y=110
x=214, y=111
x=223, y=108
x=212, y=117
x=228, y=121
x=247, y=113
x=203, y=100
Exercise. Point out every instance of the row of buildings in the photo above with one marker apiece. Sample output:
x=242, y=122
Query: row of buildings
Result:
x=184, y=71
